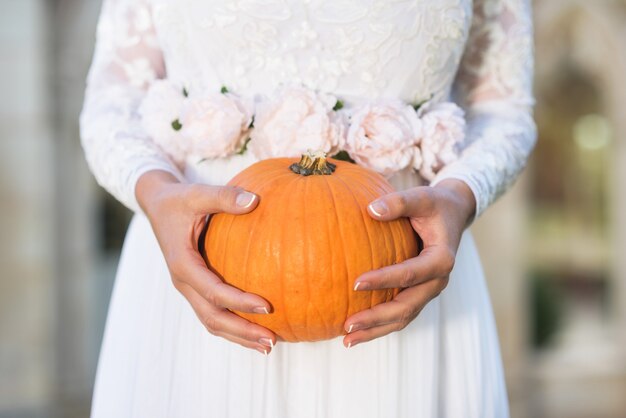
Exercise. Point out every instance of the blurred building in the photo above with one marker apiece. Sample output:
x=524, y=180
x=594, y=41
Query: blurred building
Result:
x=557, y=278
x=58, y=257
x=551, y=247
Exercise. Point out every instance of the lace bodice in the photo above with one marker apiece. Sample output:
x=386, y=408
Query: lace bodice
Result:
x=479, y=55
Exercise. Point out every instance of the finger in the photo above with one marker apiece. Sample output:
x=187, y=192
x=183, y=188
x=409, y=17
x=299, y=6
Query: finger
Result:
x=359, y=337
x=244, y=343
x=415, y=202
x=205, y=199
x=226, y=324
x=403, y=308
x=434, y=261
x=382, y=320
x=192, y=270
x=383, y=314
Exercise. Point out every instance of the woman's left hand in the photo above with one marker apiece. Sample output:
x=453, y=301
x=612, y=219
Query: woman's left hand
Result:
x=439, y=215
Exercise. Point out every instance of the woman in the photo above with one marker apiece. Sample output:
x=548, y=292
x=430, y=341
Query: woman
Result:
x=171, y=347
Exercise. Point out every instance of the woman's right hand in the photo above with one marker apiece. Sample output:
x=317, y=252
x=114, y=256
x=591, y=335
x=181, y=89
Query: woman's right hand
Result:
x=177, y=213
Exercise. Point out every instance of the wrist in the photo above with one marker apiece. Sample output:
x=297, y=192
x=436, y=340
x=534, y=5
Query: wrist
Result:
x=462, y=197
x=150, y=187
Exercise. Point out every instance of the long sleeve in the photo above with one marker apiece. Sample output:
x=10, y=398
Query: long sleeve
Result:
x=126, y=61
x=494, y=85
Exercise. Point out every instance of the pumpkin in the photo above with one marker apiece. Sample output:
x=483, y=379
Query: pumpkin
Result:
x=306, y=243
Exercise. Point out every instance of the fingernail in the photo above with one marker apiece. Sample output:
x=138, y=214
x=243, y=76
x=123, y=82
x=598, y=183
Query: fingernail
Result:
x=353, y=327
x=262, y=351
x=267, y=342
x=245, y=199
x=261, y=310
x=379, y=208
x=361, y=285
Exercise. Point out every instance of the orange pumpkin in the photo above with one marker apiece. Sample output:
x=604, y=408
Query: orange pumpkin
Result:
x=305, y=244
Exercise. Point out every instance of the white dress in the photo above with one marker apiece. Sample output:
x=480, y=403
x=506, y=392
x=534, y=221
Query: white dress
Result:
x=157, y=360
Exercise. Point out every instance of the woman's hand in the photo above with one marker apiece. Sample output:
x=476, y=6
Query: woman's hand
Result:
x=439, y=215
x=177, y=213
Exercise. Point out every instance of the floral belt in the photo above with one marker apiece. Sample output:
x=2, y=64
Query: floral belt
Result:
x=384, y=135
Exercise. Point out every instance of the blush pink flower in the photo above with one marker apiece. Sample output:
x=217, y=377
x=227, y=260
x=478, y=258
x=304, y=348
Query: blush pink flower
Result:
x=158, y=110
x=382, y=136
x=296, y=120
x=215, y=125
x=443, y=135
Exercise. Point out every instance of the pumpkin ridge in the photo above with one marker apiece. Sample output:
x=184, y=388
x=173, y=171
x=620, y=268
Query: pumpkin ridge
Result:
x=364, y=221
x=263, y=178
x=375, y=190
x=305, y=246
x=287, y=190
x=225, y=252
x=253, y=232
x=343, y=250
x=398, y=230
x=263, y=171
x=243, y=285
x=226, y=267
x=408, y=242
x=327, y=327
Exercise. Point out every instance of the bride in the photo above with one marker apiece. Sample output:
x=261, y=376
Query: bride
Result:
x=172, y=346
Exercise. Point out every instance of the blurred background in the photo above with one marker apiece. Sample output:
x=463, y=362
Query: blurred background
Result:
x=551, y=247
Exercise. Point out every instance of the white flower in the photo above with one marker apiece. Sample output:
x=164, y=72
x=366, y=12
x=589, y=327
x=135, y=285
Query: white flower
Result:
x=443, y=134
x=215, y=125
x=382, y=136
x=297, y=120
x=159, y=109
x=139, y=72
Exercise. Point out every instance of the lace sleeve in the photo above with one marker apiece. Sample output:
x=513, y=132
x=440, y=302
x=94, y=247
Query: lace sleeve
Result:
x=126, y=61
x=494, y=85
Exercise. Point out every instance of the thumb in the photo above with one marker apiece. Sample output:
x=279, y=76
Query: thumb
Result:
x=415, y=202
x=213, y=199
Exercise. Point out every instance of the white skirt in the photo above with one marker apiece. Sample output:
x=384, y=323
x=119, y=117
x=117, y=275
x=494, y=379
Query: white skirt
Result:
x=158, y=360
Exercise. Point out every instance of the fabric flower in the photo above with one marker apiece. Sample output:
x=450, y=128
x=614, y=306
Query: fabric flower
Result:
x=382, y=136
x=443, y=134
x=295, y=121
x=159, y=109
x=215, y=125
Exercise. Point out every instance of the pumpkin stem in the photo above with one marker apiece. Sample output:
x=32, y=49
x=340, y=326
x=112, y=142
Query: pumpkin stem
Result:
x=313, y=162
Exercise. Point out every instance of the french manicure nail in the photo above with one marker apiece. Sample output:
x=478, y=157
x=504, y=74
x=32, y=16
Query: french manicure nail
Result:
x=267, y=342
x=379, y=208
x=245, y=199
x=361, y=285
x=349, y=345
x=350, y=329
x=261, y=310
